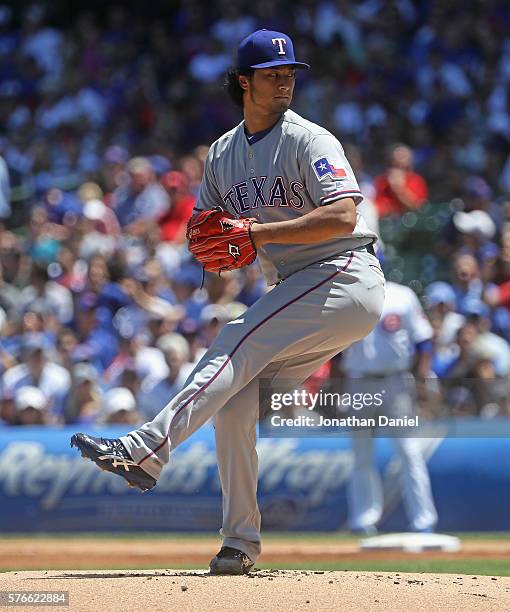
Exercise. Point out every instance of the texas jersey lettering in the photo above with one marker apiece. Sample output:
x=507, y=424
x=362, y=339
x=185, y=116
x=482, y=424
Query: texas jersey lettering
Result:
x=251, y=194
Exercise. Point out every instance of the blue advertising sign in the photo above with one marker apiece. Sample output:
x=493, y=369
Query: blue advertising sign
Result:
x=47, y=486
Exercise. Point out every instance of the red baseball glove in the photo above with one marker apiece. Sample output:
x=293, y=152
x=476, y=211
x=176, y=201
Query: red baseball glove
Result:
x=220, y=241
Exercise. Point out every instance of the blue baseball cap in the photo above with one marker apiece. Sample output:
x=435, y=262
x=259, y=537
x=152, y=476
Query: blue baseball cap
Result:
x=472, y=306
x=440, y=293
x=265, y=49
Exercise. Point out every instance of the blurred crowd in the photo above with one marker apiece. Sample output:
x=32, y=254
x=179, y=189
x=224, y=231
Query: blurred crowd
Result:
x=105, y=125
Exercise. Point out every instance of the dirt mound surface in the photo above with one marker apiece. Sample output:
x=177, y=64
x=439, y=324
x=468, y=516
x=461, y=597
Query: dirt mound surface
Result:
x=264, y=590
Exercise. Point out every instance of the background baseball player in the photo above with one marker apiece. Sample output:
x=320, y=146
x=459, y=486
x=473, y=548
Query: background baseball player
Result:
x=290, y=195
x=400, y=342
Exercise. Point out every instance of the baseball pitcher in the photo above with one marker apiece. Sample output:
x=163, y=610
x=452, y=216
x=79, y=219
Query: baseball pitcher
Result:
x=278, y=187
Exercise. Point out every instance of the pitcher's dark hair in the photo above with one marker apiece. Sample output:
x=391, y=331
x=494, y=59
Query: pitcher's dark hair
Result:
x=234, y=90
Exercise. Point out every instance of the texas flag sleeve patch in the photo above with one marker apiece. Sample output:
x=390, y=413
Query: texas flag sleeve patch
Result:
x=322, y=167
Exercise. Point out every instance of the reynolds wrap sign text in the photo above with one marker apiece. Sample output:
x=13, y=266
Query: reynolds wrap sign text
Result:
x=47, y=486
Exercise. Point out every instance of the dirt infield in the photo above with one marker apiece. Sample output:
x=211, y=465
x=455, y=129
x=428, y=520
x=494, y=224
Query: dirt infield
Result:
x=265, y=590
x=51, y=553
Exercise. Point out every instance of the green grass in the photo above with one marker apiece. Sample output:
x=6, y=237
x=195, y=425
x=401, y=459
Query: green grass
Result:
x=481, y=567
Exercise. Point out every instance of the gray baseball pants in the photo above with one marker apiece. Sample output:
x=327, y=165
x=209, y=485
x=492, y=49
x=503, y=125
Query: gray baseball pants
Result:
x=286, y=335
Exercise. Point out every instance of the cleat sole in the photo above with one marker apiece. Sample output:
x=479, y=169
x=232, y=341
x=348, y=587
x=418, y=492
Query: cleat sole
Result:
x=107, y=466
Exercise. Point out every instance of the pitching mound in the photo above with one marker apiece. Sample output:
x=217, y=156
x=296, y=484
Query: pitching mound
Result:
x=264, y=590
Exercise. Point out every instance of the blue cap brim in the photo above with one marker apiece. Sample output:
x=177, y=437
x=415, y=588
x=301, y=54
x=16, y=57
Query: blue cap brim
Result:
x=282, y=63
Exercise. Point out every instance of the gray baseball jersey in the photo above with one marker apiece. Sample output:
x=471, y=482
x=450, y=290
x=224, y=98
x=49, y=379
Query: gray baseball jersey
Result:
x=295, y=167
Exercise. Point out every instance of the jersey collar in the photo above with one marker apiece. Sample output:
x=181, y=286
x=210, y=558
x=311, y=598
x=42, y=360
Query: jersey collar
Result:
x=253, y=138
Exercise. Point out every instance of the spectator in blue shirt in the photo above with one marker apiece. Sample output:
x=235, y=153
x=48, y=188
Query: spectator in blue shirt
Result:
x=96, y=344
x=142, y=199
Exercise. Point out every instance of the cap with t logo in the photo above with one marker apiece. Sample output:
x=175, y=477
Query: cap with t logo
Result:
x=265, y=49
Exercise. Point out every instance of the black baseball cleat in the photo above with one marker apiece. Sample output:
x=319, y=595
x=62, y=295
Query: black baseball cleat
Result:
x=230, y=562
x=111, y=455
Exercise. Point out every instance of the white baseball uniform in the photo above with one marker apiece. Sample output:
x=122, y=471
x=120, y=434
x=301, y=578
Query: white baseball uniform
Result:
x=386, y=355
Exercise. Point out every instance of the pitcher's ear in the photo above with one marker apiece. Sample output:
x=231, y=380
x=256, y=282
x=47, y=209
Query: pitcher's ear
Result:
x=243, y=82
